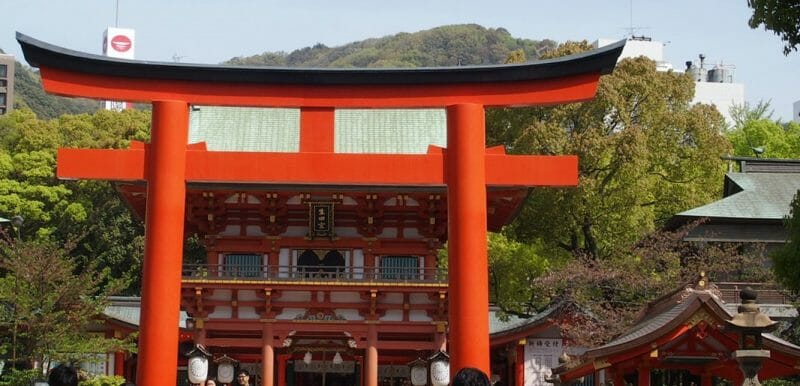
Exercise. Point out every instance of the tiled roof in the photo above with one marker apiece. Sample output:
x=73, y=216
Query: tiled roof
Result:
x=513, y=322
x=390, y=131
x=764, y=196
x=127, y=309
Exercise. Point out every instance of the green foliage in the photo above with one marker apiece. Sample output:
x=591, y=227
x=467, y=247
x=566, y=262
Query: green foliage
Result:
x=512, y=267
x=104, y=380
x=745, y=112
x=766, y=138
x=786, y=261
x=28, y=93
x=644, y=152
x=49, y=303
x=451, y=45
x=88, y=211
x=779, y=16
x=16, y=377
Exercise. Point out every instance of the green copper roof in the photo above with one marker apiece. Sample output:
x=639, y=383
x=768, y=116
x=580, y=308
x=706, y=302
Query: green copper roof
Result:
x=392, y=131
x=396, y=131
x=245, y=129
x=763, y=196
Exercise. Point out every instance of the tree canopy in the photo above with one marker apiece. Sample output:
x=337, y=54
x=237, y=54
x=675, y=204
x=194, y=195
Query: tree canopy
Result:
x=779, y=16
x=48, y=303
x=88, y=211
x=450, y=45
x=645, y=153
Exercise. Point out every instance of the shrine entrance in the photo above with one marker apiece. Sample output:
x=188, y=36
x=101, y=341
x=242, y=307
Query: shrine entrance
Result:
x=394, y=302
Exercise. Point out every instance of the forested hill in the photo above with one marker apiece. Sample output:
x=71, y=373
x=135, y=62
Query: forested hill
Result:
x=453, y=45
x=28, y=92
x=467, y=44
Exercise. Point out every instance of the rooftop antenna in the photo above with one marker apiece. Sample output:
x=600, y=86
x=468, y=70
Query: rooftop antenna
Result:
x=176, y=58
x=632, y=28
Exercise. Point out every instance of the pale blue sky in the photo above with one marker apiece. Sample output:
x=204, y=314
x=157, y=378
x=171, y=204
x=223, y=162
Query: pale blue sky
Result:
x=205, y=31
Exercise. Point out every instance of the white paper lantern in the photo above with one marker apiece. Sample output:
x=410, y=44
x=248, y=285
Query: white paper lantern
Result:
x=440, y=373
x=225, y=373
x=197, y=369
x=419, y=375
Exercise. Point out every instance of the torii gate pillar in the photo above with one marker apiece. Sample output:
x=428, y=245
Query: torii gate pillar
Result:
x=467, y=246
x=163, y=245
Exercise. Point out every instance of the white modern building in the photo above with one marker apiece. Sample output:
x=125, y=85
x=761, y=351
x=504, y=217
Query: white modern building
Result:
x=714, y=83
x=796, y=110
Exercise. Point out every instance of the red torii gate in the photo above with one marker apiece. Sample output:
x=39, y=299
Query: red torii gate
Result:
x=167, y=163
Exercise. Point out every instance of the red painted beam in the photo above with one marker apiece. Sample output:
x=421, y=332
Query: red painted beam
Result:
x=575, y=88
x=318, y=168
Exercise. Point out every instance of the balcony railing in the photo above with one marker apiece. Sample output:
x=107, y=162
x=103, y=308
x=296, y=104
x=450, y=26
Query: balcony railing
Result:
x=315, y=273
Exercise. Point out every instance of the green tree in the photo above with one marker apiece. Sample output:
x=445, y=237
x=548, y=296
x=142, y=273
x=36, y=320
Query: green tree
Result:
x=779, y=16
x=89, y=211
x=513, y=265
x=49, y=304
x=786, y=261
x=766, y=138
x=645, y=153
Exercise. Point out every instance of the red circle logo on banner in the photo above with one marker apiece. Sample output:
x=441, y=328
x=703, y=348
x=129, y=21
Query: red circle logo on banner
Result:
x=121, y=43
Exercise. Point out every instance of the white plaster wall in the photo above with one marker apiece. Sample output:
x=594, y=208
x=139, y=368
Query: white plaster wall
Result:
x=358, y=264
x=248, y=313
x=295, y=296
x=220, y=294
x=348, y=313
x=393, y=298
x=392, y=316
x=345, y=297
x=419, y=316
x=290, y=313
x=221, y=312
x=247, y=295
x=420, y=299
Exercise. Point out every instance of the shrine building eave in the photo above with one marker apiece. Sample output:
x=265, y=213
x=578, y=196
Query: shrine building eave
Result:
x=561, y=80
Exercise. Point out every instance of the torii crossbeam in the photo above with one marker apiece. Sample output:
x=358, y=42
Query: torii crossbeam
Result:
x=465, y=167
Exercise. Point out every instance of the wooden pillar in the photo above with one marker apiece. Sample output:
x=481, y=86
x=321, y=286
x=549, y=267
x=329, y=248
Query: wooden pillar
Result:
x=519, y=365
x=643, y=376
x=163, y=249
x=467, y=261
x=282, y=369
x=371, y=371
x=706, y=379
x=119, y=363
x=267, y=355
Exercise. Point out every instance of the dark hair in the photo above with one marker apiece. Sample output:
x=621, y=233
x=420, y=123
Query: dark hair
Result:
x=243, y=371
x=63, y=375
x=470, y=376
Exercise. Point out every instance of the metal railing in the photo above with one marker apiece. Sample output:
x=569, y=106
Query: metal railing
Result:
x=767, y=294
x=315, y=273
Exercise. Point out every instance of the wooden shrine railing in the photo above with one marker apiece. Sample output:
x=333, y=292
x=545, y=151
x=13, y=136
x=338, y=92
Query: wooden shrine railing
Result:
x=315, y=273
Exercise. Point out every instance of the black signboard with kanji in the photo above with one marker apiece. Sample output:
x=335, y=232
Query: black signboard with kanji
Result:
x=320, y=219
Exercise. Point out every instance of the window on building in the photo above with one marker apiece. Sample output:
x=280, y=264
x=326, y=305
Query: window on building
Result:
x=3, y=83
x=3, y=71
x=2, y=99
x=242, y=265
x=399, y=267
x=321, y=263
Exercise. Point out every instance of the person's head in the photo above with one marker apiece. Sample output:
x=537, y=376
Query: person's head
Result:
x=211, y=382
x=470, y=376
x=243, y=377
x=63, y=375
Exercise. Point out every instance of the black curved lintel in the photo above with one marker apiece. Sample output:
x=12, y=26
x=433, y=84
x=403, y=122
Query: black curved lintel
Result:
x=41, y=54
